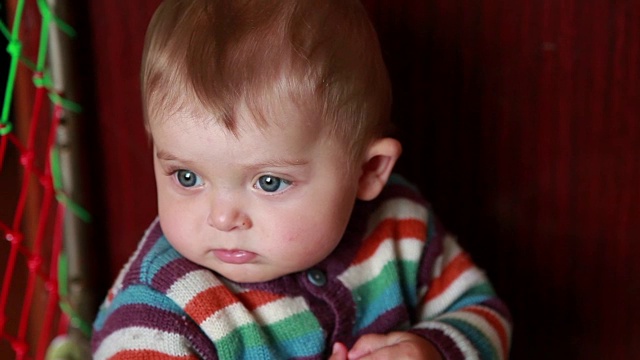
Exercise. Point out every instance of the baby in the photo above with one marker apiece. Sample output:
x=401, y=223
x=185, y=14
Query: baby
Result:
x=282, y=232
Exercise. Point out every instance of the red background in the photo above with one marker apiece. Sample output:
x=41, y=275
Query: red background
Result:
x=520, y=123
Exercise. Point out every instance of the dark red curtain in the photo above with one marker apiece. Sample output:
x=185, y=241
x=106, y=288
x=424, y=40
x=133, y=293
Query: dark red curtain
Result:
x=519, y=122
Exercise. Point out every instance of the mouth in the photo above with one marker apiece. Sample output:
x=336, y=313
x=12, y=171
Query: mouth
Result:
x=234, y=256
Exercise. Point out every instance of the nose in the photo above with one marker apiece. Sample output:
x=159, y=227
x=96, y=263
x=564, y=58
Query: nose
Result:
x=227, y=215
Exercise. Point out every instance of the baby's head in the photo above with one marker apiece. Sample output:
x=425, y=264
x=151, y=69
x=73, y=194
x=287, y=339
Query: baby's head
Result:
x=321, y=56
x=268, y=120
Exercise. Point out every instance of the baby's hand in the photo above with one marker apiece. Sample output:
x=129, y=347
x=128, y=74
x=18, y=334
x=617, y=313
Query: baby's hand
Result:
x=395, y=345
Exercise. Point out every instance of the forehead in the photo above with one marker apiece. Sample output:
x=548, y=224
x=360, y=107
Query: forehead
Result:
x=241, y=120
x=285, y=123
x=274, y=104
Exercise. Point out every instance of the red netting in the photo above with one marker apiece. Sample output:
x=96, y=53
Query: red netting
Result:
x=32, y=202
x=39, y=254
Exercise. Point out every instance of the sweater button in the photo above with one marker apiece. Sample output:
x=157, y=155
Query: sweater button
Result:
x=317, y=277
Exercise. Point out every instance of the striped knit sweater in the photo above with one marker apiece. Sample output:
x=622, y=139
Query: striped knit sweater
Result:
x=395, y=269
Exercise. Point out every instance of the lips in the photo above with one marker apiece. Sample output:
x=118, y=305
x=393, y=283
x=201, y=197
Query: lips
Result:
x=234, y=256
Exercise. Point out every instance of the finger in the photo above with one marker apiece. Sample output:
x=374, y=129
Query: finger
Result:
x=403, y=346
x=387, y=352
x=339, y=352
x=367, y=344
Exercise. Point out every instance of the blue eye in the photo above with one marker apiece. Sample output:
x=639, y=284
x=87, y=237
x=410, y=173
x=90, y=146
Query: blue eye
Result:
x=187, y=178
x=271, y=184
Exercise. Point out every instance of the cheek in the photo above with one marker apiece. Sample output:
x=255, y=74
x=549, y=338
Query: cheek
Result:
x=317, y=232
x=177, y=220
x=171, y=225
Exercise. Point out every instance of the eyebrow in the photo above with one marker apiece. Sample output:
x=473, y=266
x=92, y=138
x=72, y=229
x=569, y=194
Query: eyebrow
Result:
x=163, y=155
x=279, y=163
x=167, y=156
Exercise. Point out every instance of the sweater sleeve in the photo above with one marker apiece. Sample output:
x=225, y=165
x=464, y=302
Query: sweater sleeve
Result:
x=142, y=323
x=458, y=309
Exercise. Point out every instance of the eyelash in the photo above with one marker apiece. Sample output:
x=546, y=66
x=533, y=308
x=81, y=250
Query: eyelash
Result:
x=279, y=181
x=171, y=170
x=174, y=172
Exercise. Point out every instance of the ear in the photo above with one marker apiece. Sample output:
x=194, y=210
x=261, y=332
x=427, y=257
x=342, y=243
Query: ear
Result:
x=379, y=159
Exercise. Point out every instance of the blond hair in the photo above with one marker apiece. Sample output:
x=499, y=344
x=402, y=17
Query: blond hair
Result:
x=219, y=53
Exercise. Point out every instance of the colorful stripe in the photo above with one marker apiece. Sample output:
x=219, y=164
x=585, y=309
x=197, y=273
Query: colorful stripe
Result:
x=137, y=295
x=472, y=327
x=142, y=341
x=459, y=338
x=497, y=323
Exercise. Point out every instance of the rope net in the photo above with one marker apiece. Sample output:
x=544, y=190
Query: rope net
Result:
x=34, y=308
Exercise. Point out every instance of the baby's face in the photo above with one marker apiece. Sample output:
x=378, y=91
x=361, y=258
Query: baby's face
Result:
x=266, y=203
